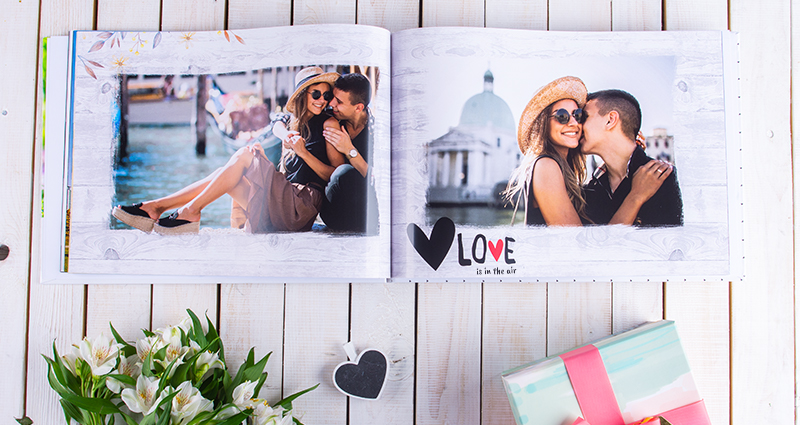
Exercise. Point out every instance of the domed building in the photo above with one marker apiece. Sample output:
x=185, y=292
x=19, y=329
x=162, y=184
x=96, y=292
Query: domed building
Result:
x=470, y=162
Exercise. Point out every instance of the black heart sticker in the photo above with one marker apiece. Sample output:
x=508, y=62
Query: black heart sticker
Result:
x=365, y=378
x=433, y=250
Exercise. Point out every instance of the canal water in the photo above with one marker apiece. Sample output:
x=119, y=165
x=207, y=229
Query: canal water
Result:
x=161, y=160
x=481, y=216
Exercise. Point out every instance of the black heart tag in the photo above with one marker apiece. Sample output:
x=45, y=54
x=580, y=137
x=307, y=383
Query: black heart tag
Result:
x=363, y=378
x=433, y=250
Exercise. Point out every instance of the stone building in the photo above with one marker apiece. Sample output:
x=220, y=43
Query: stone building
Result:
x=470, y=162
x=660, y=145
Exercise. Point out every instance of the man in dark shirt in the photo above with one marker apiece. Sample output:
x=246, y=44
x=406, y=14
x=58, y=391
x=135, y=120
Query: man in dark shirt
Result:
x=350, y=202
x=613, y=119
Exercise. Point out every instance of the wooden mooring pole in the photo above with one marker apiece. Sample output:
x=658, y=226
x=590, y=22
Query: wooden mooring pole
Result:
x=200, y=115
x=122, y=151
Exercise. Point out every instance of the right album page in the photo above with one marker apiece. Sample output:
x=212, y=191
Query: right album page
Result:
x=549, y=156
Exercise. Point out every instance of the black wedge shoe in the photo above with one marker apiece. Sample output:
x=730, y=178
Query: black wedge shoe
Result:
x=134, y=216
x=172, y=225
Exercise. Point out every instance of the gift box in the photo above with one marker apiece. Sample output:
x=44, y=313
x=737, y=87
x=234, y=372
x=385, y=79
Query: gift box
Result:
x=622, y=379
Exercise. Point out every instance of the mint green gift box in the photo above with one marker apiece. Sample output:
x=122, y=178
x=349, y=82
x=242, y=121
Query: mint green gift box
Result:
x=646, y=366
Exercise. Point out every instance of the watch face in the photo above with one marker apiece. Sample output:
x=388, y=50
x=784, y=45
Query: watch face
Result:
x=353, y=153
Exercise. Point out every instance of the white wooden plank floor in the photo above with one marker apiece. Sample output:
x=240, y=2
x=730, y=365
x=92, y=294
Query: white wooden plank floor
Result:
x=447, y=342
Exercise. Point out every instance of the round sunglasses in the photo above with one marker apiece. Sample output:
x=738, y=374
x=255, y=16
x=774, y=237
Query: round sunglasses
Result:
x=562, y=116
x=328, y=95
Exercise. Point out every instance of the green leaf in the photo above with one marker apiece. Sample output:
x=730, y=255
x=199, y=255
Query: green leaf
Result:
x=72, y=412
x=147, y=333
x=253, y=373
x=128, y=420
x=53, y=367
x=202, y=417
x=286, y=403
x=147, y=366
x=213, y=335
x=164, y=380
x=236, y=419
x=127, y=349
x=125, y=379
x=248, y=371
x=196, y=333
x=94, y=405
x=56, y=385
x=64, y=375
x=24, y=420
x=84, y=371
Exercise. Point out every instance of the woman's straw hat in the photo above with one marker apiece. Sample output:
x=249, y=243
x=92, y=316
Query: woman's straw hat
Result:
x=562, y=88
x=308, y=77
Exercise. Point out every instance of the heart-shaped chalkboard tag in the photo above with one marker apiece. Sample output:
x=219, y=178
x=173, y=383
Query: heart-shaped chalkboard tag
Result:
x=433, y=249
x=363, y=377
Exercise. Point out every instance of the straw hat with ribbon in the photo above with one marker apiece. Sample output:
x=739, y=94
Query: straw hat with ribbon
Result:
x=562, y=88
x=308, y=77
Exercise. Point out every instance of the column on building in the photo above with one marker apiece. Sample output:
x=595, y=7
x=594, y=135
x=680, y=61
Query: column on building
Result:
x=432, y=169
x=476, y=168
x=459, y=165
x=447, y=158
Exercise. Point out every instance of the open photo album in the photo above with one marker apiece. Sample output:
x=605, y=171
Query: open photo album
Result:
x=348, y=153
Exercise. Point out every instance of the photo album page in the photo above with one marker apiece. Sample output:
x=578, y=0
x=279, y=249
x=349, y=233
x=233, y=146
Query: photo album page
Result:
x=559, y=156
x=219, y=156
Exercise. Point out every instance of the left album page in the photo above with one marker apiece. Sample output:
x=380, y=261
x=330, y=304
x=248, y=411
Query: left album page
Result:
x=255, y=155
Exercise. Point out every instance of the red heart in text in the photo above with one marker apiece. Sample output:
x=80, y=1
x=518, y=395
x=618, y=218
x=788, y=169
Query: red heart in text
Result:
x=496, y=250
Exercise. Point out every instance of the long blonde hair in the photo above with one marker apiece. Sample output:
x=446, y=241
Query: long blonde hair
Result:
x=573, y=168
x=299, y=123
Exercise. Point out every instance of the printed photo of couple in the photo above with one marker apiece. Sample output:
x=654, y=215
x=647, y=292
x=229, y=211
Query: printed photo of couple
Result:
x=291, y=147
x=588, y=147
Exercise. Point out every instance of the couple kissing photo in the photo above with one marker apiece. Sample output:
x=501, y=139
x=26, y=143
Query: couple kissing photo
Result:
x=562, y=124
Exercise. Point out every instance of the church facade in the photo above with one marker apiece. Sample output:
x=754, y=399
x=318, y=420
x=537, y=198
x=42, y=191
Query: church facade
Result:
x=471, y=163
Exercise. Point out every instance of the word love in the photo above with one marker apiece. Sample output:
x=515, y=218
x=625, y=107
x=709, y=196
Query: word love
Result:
x=480, y=246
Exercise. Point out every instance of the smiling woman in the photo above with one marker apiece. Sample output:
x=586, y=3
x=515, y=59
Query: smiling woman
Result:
x=550, y=129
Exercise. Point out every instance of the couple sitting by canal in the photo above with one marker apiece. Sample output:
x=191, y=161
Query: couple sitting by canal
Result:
x=324, y=169
x=561, y=124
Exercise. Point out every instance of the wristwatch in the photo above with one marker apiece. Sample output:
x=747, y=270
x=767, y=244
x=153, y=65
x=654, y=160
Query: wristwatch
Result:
x=353, y=153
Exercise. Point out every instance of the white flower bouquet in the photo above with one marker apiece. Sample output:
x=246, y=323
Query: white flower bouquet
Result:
x=173, y=376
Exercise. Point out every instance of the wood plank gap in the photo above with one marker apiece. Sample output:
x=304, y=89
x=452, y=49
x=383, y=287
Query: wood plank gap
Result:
x=85, y=309
x=150, y=326
x=219, y=287
x=95, y=17
x=350, y=316
x=283, y=343
x=34, y=210
x=226, y=27
x=416, y=325
x=160, y=27
x=613, y=328
x=547, y=318
x=730, y=350
x=483, y=307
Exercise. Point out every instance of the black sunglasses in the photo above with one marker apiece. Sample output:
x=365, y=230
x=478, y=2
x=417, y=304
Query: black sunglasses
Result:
x=328, y=96
x=562, y=116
